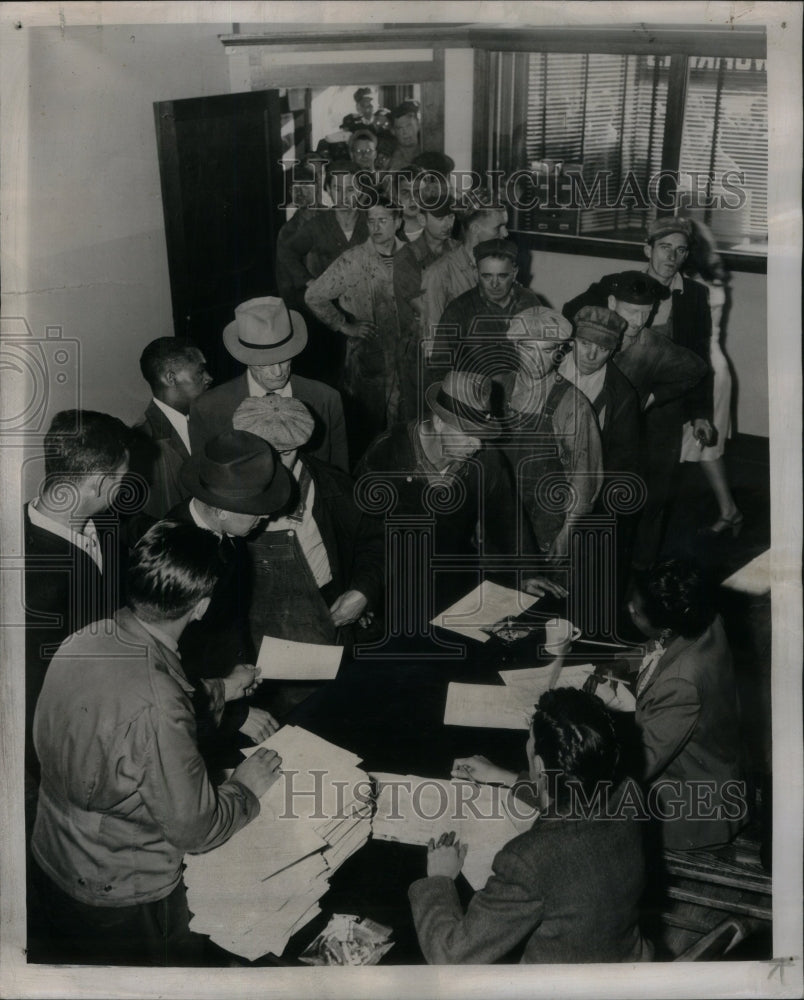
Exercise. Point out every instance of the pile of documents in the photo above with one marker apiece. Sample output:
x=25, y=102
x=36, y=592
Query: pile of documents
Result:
x=412, y=810
x=255, y=891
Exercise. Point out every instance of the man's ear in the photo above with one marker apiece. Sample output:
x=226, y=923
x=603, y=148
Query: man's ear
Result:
x=647, y=249
x=612, y=303
x=200, y=609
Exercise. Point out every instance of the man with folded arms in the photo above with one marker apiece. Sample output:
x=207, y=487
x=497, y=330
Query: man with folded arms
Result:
x=124, y=792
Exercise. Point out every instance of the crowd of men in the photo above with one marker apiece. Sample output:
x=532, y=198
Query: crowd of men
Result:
x=443, y=369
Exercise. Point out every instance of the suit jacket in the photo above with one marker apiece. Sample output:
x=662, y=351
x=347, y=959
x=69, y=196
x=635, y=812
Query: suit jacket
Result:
x=64, y=592
x=686, y=717
x=158, y=455
x=691, y=328
x=569, y=888
x=620, y=433
x=212, y=413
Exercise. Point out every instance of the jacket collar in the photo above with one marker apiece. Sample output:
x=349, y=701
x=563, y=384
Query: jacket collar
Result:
x=132, y=628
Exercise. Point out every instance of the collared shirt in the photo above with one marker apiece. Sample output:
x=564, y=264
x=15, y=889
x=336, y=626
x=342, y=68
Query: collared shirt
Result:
x=87, y=540
x=178, y=420
x=255, y=389
x=303, y=523
x=662, y=317
x=590, y=385
x=161, y=636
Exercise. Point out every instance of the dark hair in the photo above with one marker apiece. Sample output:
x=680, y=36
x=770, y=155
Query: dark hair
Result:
x=173, y=567
x=386, y=143
x=574, y=735
x=704, y=258
x=362, y=133
x=676, y=597
x=338, y=167
x=162, y=353
x=84, y=442
x=477, y=208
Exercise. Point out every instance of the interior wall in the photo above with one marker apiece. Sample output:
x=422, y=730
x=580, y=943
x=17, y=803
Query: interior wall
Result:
x=97, y=260
x=559, y=277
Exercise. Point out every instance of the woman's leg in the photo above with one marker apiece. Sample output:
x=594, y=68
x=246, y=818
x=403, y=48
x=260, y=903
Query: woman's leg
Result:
x=715, y=473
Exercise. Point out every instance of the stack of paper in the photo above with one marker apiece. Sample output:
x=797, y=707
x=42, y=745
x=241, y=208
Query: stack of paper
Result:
x=256, y=890
x=411, y=810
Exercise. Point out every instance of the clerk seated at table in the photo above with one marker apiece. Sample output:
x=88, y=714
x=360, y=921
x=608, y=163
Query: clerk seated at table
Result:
x=570, y=886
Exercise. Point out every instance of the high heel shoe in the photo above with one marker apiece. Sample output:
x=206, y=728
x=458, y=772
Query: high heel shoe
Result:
x=733, y=524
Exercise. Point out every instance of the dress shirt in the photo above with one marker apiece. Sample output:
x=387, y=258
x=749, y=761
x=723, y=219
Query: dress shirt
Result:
x=303, y=523
x=590, y=385
x=255, y=389
x=87, y=540
x=179, y=421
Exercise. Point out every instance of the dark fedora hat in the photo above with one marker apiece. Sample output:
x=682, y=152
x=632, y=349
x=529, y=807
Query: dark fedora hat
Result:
x=239, y=472
x=265, y=332
x=463, y=400
x=636, y=287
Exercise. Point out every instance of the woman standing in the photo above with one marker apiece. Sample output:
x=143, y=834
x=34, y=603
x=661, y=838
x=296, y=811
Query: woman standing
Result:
x=706, y=266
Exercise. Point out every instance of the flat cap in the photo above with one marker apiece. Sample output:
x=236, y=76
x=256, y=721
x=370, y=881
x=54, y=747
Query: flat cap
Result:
x=496, y=248
x=539, y=323
x=600, y=326
x=285, y=423
x=669, y=224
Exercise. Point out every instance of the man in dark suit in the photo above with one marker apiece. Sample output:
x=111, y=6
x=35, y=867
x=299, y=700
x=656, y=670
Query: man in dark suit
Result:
x=176, y=371
x=266, y=336
x=74, y=557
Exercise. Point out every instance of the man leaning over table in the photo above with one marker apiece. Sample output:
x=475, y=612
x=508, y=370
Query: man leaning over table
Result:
x=124, y=791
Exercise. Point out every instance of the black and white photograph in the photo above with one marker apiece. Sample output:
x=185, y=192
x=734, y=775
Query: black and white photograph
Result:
x=400, y=448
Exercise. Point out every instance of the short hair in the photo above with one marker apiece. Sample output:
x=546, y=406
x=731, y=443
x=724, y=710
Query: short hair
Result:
x=162, y=353
x=173, y=567
x=379, y=199
x=84, y=442
x=676, y=596
x=362, y=133
x=478, y=208
x=574, y=735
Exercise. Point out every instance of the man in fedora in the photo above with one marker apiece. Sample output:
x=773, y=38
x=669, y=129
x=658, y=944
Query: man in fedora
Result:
x=456, y=443
x=234, y=482
x=266, y=336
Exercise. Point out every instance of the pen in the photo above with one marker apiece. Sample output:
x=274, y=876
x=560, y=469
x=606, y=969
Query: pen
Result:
x=468, y=773
x=608, y=645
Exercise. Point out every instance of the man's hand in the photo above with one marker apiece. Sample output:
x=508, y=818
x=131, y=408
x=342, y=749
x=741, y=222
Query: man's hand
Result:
x=348, y=607
x=481, y=770
x=241, y=682
x=446, y=857
x=260, y=771
x=704, y=432
x=362, y=329
x=540, y=585
x=259, y=725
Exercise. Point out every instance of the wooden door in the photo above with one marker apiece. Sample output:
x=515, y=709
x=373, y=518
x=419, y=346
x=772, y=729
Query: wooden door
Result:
x=219, y=162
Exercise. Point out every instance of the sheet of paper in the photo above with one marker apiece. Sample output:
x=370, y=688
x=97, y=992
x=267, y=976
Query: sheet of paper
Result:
x=487, y=705
x=535, y=680
x=481, y=608
x=282, y=659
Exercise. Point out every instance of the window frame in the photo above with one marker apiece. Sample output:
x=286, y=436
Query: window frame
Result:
x=745, y=43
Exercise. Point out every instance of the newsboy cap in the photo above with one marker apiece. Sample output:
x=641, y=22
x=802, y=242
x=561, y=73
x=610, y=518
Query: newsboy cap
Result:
x=284, y=422
x=669, y=224
x=600, y=326
x=539, y=323
x=495, y=248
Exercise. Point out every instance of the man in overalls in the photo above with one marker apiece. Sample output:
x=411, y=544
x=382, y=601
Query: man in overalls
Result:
x=551, y=435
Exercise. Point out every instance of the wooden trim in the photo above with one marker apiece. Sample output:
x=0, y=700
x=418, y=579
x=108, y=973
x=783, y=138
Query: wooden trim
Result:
x=480, y=116
x=432, y=105
x=673, y=128
x=586, y=246
x=746, y=42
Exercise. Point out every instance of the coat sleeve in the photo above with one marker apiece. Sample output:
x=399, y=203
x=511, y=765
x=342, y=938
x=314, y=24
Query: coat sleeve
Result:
x=665, y=720
x=176, y=790
x=676, y=370
x=338, y=445
x=576, y=427
x=623, y=433
x=502, y=914
x=328, y=287
x=434, y=299
x=292, y=248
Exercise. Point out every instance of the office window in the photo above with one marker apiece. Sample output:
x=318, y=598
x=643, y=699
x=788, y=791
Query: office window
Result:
x=600, y=143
